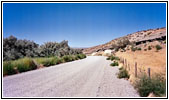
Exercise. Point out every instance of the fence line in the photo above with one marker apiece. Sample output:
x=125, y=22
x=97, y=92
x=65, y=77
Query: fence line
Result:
x=128, y=66
x=135, y=69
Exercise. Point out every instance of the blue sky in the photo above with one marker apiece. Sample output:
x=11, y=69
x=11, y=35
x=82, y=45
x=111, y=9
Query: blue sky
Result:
x=82, y=24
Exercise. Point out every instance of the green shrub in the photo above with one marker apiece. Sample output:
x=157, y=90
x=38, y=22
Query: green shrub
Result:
x=117, y=58
x=138, y=48
x=133, y=48
x=66, y=58
x=45, y=61
x=113, y=58
x=121, y=44
x=24, y=64
x=71, y=57
x=14, y=49
x=117, y=49
x=148, y=85
x=8, y=68
x=81, y=56
x=114, y=64
x=60, y=60
x=149, y=47
x=76, y=57
x=158, y=47
x=50, y=61
x=123, y=73
x=120, y=68
x=39, y=60
x=22, y=68
x=55, y=60
x=108, y=58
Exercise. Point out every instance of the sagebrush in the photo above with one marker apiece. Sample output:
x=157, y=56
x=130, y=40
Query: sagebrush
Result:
x=27, y=64
x=146, y=85
x=14, y=48
x=123, y=73
x=114, y=63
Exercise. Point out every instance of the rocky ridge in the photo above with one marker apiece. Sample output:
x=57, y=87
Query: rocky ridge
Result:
x=137, y=37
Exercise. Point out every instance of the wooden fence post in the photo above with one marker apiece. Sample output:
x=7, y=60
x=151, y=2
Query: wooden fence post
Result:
x=135, y=69
x=125, y=63
x=149, y=73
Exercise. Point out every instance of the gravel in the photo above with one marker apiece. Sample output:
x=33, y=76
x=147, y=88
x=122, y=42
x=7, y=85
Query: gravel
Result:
x=89, y=77
x=111, y=86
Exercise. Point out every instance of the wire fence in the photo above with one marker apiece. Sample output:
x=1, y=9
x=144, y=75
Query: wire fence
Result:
x=134, y=69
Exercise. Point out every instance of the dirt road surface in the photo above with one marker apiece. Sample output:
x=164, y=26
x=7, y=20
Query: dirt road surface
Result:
x=89, y=77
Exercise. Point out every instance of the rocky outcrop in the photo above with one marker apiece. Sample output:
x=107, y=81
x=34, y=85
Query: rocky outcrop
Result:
x=138, y=37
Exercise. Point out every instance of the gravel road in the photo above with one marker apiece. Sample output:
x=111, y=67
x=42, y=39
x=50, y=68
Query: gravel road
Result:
x=89, y=77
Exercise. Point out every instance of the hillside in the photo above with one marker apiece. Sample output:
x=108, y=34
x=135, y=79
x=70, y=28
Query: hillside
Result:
x=138, y=37
x=147, y=48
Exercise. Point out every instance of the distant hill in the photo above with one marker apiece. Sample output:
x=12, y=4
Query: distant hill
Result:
x=137, y=37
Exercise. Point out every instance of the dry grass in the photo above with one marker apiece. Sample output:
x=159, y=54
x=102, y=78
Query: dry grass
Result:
x=146, y=59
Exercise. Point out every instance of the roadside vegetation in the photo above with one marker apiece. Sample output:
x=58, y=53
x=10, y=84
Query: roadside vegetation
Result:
x=149, y=48
x=114, y=64
x=14, y=49
x=27, y=64
x=155, y=85
x=24, y=55
x=158, y=47
x=121, y=44
x=123, y=73
x=113, y=58
x=145, y=85
x=139, y=49
x=135, y=48
x=8, y=68
x=24, y=64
